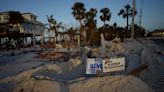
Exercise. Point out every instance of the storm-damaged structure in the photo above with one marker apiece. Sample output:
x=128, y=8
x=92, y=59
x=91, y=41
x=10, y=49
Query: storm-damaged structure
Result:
x=19, y=29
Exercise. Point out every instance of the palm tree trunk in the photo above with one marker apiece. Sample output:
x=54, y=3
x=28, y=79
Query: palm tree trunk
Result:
x=49, y=36
x=91, y=37
x=56, y=35
x=81, y=29
x=104, y=23
x=82, y=32
x=127, y=33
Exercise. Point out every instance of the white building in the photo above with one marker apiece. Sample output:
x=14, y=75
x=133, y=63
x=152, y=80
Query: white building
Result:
x=4, y=17
x=29, y=27
x=157, y=33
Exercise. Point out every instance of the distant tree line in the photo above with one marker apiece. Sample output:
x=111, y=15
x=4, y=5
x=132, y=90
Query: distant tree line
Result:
x=87, y=20
x=88, y=31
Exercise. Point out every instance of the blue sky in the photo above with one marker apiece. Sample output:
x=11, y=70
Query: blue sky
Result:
x=153, y=13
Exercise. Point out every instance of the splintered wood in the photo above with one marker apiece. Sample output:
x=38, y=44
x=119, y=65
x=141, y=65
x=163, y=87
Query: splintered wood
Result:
x=138, y=70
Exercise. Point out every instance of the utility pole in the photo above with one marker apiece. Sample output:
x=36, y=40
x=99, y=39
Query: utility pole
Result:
x=133, y=15
x=141, y=10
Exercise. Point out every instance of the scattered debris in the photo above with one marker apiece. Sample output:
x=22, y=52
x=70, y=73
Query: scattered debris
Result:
x=57, y=55
x=68, y=72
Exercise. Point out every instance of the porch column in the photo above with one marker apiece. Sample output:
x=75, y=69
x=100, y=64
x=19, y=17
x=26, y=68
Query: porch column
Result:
x=33, y=36
x=42, y=38
x=26, y=40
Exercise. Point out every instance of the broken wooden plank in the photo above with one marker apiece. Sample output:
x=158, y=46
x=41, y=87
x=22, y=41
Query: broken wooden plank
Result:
x=138, y=70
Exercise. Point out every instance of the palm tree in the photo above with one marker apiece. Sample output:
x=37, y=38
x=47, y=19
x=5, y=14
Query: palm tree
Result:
x=139, y=31
x=90, y=23
x=126, y=12
x=91, y=14
x=114, y=28
x=79, y=13
x=71, y=32
x=54, y=26
x=115, y=25
x=106, y=15
x=51, y=22
x=107, y=32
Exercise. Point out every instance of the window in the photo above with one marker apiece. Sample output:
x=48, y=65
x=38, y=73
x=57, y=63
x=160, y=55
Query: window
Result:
x=34, y=18
x=7, y=17
x=4, y=17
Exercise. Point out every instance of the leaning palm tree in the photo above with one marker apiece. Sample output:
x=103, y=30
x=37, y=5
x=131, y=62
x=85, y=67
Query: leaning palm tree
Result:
x=126, y=12
x=79, y=13
x=106, y=15
x=54, y=26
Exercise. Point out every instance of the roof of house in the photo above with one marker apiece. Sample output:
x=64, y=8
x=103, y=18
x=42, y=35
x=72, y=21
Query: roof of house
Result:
x=35, y=22
x=20, y=12
x=29, y=13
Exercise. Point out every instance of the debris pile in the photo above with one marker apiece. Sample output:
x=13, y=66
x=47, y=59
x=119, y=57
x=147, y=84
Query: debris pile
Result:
x=143, y=60
x=111, y=48
x=57, y=55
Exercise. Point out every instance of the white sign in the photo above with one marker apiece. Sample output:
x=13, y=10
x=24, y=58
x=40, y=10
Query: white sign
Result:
x=93, y=64
x=114, y=64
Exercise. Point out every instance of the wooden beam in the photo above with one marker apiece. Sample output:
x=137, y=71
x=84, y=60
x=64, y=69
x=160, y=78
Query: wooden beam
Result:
x=138, y=70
